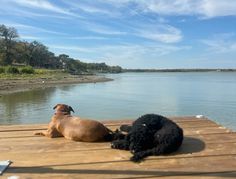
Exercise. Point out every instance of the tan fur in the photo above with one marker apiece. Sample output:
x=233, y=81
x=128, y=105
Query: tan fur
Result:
x=74, y=128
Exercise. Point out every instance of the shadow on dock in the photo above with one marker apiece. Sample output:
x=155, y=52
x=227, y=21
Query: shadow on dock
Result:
x=190, y=145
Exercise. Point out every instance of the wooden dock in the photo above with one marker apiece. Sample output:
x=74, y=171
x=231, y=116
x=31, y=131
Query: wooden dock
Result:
x=208, y=151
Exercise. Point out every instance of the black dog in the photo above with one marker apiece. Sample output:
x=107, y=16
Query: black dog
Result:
x=150, y=134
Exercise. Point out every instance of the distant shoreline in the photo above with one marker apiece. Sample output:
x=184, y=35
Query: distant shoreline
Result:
x=179, y=70
x=8, y=86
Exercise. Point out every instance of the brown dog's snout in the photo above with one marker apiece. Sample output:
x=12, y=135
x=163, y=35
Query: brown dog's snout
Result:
x=63, y=108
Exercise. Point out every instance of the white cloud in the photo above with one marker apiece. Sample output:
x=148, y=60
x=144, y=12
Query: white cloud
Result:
x=70, y=48
x=221, y=43
x=161, y=32
x=140, y=50
x=32, y=29
x=41, y=5
x=30, y=37
x=202, y=8
x=205, y=8
x=88, y=7
x=130, y=54
x=88, y=38
x=214, y=8
x=102, y=29
x=168, y=7
x=112, y=8
x=119, y=54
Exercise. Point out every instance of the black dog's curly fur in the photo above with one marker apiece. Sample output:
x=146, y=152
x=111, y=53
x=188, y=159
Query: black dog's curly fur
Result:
x=151, y=134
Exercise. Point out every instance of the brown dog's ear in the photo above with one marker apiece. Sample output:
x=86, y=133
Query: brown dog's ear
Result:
x=55, y=106
x=71, y=109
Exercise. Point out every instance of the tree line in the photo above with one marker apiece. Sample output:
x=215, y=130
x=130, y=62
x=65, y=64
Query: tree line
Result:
x=14, y=51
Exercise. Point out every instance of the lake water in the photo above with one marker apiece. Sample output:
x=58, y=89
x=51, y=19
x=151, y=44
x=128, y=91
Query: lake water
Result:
x=212, y=94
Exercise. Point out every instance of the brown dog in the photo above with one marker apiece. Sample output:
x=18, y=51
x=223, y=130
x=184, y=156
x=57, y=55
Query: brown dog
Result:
x=74, y=128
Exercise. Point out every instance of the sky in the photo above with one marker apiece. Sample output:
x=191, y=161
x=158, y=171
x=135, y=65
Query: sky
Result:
x=130, y=33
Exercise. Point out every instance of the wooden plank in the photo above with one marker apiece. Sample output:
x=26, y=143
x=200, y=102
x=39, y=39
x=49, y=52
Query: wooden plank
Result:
x=119, y=159
x=216, y=138
x=8, y=131
x=189, y=149
x=65, y=174
x=187, y=131
x=184, y=122
x=122, y=169
x=207, y=138
x=208, y=151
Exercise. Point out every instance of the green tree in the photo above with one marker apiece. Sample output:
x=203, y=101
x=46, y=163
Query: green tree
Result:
x=8, y=37
x=38, y=54
x=22, y=52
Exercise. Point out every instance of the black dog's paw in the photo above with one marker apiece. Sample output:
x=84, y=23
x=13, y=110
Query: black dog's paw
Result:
x=115, y=145
x=125, y=128
x=136, y=159
x=120, y=144
x=118, y=135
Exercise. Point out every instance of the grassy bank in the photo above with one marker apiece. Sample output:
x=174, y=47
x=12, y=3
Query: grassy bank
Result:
x=29, y=73
x=41, y=78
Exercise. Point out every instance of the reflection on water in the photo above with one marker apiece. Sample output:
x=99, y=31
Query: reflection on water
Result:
x=129, y=96
x=21, y=107
x=33, y=106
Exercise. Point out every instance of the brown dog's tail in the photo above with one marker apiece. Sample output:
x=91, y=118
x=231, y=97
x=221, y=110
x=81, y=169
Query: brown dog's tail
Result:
x=114, y=135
